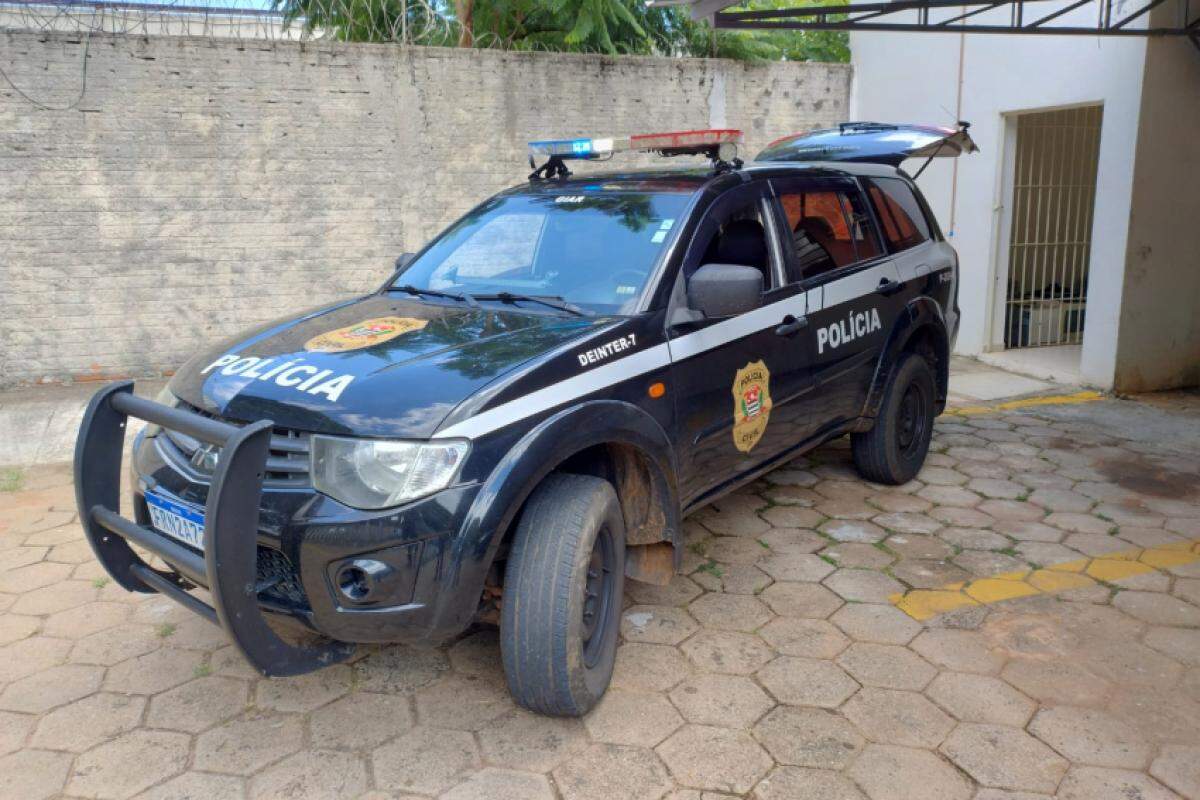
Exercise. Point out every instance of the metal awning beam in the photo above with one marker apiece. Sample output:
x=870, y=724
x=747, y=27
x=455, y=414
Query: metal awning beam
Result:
x=1144, y=9
x=1067, y=9
x=898, y=6
x=882, y=16
x=968, y=14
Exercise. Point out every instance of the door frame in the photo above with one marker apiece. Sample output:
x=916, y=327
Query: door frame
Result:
x=997, y=287
x=1003, y=201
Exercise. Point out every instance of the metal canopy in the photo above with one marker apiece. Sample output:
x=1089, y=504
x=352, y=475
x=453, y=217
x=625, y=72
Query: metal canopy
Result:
x=1113, y=18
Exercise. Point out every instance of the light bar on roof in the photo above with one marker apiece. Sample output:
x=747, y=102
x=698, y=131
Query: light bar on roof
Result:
x=685, y=141
x=668, y=144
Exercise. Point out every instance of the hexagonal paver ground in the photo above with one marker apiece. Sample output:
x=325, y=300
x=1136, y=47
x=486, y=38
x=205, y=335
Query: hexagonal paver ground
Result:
x=797, y=783
x=312, y=773
x=809, y=737
x=807, y=682
x=724, y=760
x=888, y=772
x=128, y=764
x=425, y=760
x=1004, y=758
x=888, y=716
x=613, y=771
x=779, y=666
x=728, y=700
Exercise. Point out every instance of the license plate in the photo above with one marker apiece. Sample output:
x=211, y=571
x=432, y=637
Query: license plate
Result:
x=177, y=519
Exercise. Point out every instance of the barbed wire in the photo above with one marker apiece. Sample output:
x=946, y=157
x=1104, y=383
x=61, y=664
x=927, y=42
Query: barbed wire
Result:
x=413, y=22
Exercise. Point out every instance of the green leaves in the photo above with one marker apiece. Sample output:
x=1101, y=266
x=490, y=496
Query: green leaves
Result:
x=612, y=27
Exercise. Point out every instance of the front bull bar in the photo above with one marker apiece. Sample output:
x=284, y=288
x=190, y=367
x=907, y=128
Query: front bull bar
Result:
x=228, y=566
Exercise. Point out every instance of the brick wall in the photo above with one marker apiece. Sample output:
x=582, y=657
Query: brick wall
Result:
x=202, y=186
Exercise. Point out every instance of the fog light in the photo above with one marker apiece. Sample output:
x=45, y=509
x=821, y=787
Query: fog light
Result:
x=352, y=582
x=359, y=579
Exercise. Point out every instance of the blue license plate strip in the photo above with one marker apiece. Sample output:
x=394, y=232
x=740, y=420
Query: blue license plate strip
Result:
x=176, y=519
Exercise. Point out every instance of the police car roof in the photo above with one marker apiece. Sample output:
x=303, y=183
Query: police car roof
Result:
x=693, y=178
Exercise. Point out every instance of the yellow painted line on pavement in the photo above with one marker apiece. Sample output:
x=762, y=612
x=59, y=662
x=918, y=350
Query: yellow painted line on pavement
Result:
x=923, y=604
x=1029, y=402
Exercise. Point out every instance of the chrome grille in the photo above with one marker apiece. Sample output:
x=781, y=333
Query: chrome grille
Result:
x=287, y=463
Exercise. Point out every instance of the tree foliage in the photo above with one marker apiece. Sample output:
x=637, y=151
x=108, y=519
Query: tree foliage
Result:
x=615, y=27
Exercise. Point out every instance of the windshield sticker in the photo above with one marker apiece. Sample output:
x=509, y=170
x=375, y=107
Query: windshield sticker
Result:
x=569, y=198
x=598, y=354
x=666, y=224
x=291, y=374
x=363, y=334
x=658, y=237
x=751, y=404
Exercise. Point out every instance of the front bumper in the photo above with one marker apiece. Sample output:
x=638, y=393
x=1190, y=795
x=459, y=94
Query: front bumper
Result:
x=291, y=553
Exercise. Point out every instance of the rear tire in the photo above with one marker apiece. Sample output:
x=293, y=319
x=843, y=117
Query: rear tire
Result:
x=561, y=608
x=894, y=450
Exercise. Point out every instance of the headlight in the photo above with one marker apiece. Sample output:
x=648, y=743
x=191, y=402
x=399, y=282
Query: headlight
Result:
x=167, y=399
x=371, y=474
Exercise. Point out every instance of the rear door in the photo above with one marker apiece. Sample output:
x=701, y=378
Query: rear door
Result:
x=854, y=289
x=909, y=231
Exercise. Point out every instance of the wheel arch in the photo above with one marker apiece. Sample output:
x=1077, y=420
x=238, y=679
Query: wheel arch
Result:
x=921, y=328
x=610, y=439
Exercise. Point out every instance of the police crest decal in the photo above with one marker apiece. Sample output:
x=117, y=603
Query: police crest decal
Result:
x=751, y=404
x=363, y=334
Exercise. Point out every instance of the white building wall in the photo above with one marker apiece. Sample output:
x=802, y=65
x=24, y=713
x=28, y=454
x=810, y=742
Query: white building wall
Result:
x=1160, y=315
x=914, y=77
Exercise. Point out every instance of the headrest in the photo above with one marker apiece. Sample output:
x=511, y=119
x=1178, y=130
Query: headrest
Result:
x=743, y=241
x=816, y=227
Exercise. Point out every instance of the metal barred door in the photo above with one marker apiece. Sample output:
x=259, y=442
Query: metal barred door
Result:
x=1054, y=189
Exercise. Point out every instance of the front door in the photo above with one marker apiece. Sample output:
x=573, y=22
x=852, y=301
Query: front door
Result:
x=736, y=379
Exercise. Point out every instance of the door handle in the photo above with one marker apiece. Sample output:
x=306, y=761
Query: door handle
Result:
x=888, y=287
x=791, y=325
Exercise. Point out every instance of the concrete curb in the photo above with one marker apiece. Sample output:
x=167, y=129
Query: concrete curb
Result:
x=38, y=425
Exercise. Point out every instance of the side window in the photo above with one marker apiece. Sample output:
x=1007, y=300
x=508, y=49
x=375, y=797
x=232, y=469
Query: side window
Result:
x=738, y=235
x=830, y=229
x=899, y=213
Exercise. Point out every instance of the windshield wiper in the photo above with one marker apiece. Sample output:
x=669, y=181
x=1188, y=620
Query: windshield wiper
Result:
x=553, y=301
x=462, y=297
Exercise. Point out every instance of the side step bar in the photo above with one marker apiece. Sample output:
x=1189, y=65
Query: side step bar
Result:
x=228, y=565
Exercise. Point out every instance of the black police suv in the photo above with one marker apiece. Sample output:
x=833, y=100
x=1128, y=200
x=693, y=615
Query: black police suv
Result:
x=519, y=418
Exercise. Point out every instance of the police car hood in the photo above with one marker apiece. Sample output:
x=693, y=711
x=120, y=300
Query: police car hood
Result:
x=376, y=366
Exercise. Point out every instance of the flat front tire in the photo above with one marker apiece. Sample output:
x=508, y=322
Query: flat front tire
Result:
x=894, y=450
x=561, y=607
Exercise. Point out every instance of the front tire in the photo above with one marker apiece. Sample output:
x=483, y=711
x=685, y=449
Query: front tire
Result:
x=894, y=450
x=561, y=607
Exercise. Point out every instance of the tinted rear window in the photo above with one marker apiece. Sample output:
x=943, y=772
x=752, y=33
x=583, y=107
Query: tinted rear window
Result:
x=824, y=236
x=900, y=216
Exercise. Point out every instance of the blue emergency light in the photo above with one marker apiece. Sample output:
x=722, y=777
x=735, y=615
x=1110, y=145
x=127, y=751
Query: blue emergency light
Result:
x=572, y=148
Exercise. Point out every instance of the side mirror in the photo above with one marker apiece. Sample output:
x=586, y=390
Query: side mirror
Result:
x=403, y=259
x=725, y=290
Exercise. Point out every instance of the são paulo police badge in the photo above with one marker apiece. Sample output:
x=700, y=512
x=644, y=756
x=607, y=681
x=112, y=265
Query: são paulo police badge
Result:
x=751, y=404
x=363, y=334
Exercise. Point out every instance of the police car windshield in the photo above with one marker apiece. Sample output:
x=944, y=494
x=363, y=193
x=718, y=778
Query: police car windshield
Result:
x=594, y=250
